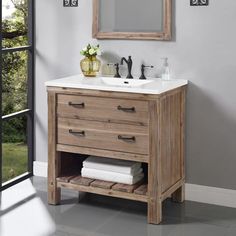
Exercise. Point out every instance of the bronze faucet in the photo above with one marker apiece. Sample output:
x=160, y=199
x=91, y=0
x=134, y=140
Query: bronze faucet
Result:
x=129, y=63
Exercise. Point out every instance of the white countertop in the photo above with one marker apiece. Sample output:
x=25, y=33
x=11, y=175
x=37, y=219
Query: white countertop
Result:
x=157, y=86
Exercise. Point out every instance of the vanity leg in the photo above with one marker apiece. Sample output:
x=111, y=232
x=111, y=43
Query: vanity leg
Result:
x=154, y=211
x=82, y=196
x=54, y=193
x=54, y=157
x=179, y=194
x=154, y=168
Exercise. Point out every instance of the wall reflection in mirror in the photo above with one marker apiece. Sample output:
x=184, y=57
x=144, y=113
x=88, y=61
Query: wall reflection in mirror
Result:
x=131, y=15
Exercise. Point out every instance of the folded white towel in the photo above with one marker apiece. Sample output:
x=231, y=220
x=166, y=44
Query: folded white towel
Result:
x=112, y=176
x=107, y=164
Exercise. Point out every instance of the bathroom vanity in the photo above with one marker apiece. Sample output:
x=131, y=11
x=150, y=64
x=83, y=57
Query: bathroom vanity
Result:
x=121, y=119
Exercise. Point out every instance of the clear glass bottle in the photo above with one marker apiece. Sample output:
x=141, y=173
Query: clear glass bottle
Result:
x=165, y=70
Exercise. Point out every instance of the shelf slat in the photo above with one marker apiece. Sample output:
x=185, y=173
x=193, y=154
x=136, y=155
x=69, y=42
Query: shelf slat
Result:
x=141, y=190
x=127, y=187
x=79, y=185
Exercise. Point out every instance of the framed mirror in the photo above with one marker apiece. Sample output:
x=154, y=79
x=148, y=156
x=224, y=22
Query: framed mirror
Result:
x=132, y=19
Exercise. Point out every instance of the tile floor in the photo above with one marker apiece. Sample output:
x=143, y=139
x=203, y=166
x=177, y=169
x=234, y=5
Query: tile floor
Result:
x=24, y=211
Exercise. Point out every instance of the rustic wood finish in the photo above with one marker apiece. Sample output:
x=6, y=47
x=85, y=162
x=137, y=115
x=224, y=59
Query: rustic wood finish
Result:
x=103, y=153
x=179, y=194
x=103, y=135
x=126, y=187
x=103, y=109
x=141, y=190
x=154, y=168
x=54, y=193
x=164, y=35
x=170, y=125
x=109, y=94
x=102, y=191
x=102, y=184
x=159, y=132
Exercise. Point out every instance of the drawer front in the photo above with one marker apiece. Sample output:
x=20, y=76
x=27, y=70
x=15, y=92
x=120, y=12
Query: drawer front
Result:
x=103, y=135
x=103, y=109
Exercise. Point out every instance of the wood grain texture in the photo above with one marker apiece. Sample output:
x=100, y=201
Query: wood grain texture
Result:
x=65, y=179
x=102, y=184
x=103, y=135
x=141, y=190
x=162, y=148
x=79, y=180
x=126, y=187
x=162, y=35
x=95, y=23
x=174, y=188
x=111, y=94
x=105, y=192
x=179, y=194
x=170, y=140
x=167, y=20
x=154, y=168
x=54, y=193
x=103, y=153
x=104, y=109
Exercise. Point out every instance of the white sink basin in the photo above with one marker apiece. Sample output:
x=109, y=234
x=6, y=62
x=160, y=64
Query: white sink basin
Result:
x=150, y=86
x=125, y=82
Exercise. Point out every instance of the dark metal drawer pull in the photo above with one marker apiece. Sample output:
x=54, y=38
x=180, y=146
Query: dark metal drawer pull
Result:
x=126, y=109
x=78, y=133
x=127, y=138
x=79, y=105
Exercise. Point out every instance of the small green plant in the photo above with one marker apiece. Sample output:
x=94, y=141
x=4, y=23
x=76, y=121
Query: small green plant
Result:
x=90, y=51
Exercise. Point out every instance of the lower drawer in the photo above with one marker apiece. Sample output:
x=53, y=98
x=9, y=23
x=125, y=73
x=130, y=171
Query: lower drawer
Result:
x=103, y=135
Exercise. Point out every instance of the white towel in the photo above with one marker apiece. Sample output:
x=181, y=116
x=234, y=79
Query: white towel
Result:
x=111, y=176
x=107, y=164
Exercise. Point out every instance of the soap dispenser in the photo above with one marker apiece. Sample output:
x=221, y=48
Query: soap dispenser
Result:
x=165, y=70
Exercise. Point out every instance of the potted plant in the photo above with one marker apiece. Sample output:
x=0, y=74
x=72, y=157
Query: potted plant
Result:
x=90, y=65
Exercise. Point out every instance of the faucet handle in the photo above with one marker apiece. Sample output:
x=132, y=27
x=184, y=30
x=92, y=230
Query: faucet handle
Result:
x=117, y=75
x=143, y=66
x=143, y=70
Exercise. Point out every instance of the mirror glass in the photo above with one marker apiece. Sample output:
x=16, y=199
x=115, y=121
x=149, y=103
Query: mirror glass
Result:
x=130, y=15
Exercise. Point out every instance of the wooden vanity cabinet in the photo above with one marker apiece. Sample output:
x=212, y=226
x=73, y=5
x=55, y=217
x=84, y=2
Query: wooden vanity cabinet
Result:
x=139, y=127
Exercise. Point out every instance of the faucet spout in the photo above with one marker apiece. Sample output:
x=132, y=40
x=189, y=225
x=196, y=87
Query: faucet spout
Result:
x=122, y=61
x=129, y=63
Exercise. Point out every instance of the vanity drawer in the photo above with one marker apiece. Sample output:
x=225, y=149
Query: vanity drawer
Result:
x=103, y=135
x=103, y=109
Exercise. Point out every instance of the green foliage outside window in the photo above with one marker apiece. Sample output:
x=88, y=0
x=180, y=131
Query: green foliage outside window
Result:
x=14, y=90
x=14, y=71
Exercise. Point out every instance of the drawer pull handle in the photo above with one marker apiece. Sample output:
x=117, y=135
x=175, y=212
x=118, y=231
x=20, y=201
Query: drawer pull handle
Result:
x=126, y=109
x=79, y=105
x=127, y=138
x=78, y=133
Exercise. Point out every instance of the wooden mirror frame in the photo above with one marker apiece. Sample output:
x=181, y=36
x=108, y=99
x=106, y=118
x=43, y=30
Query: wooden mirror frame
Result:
x=164, y=35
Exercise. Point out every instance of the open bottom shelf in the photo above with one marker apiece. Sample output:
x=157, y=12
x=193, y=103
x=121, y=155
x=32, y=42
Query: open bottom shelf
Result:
x=86, y=185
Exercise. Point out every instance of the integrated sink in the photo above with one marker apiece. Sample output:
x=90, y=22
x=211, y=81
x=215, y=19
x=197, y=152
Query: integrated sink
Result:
x=149, y=86
x=125, y=82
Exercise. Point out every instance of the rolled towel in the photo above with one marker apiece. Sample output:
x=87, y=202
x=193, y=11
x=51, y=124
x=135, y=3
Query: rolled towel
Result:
x=107, y=164
x=112, y=176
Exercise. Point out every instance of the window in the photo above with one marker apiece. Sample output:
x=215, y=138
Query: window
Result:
x=17, y=91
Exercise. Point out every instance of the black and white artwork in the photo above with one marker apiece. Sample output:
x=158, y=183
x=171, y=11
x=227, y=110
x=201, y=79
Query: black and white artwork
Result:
x=199, y=2
x=70, y=3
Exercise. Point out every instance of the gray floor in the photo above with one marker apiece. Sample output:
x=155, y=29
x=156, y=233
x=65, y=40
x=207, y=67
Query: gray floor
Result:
x=24, y=211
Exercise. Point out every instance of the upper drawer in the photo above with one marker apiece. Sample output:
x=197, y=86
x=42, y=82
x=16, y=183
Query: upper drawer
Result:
x=105, y=109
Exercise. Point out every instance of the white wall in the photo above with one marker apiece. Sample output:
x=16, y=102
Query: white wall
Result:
x=203, y=50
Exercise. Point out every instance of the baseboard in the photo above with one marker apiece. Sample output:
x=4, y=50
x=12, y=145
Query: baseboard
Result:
x=40, y=169
x=211, y=195
x=194, y=192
